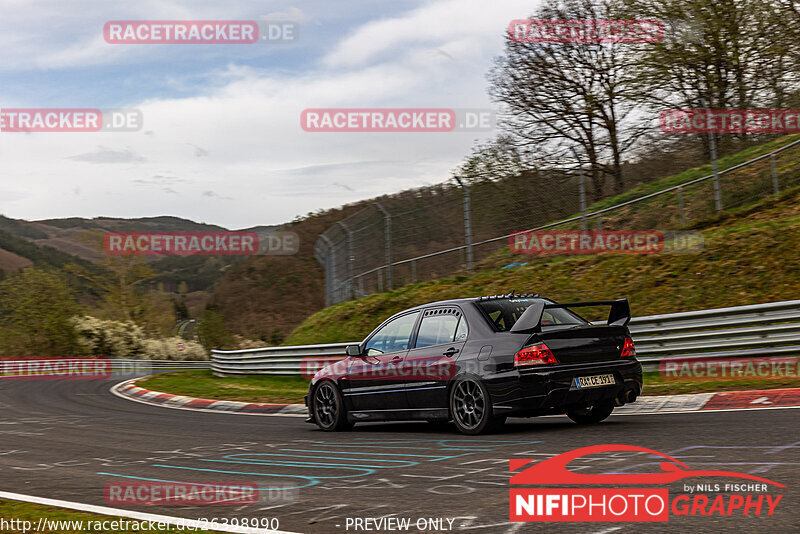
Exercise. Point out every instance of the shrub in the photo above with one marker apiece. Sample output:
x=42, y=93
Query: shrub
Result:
x=167, y=349
x=125, y=340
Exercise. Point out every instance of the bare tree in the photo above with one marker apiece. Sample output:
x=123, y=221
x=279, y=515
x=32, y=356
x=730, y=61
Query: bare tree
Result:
x=726, y=54
x=563, y=96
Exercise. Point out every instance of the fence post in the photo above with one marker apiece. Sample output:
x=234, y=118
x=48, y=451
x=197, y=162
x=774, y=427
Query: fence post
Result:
x=413, y=271
x=680, y=206
x=600, y=223
x=712, y=147
x=330, y=271
x=582, y=197
x=581, y=190
x=467, y=224
x=717, y=193
x=773, y=168
x=387, y=238
x=350, y=259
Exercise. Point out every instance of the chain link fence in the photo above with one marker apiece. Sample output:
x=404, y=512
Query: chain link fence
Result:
x=446, y=229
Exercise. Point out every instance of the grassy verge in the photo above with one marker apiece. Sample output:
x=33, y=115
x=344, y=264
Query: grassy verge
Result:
x=654, y=384
x=203, y=384
x=291, y=389
x=750, y=256
x=21, y=512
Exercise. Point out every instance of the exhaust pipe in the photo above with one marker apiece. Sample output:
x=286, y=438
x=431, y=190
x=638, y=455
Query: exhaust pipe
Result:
x=625, y=397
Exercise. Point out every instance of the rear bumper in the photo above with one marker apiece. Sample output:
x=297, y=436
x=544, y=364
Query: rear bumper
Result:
x=553, y=390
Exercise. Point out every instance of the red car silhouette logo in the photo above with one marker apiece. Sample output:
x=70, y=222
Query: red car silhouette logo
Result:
x=554, y=470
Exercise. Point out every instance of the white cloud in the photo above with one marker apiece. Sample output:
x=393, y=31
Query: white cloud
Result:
x=246, y=118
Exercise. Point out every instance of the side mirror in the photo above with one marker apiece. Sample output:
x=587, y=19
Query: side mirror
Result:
x=353, y=350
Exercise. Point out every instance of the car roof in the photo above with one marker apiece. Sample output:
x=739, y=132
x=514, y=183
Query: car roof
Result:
x=450, y=302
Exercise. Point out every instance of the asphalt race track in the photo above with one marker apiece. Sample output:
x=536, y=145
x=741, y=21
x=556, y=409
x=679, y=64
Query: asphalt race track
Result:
x=68, y=439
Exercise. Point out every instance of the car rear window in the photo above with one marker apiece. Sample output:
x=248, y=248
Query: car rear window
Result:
x=503, y=313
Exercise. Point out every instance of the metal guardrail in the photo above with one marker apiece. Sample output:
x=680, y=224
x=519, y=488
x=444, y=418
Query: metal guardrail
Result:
x=163, y=364
x=759, y=330
x=118, y=368
x=123, y=364
x=272, y=360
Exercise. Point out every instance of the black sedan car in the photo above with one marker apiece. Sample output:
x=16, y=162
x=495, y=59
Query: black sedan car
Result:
x=477, y=361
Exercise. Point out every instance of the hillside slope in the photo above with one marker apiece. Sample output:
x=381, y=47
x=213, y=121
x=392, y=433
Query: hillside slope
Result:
x=751, y=255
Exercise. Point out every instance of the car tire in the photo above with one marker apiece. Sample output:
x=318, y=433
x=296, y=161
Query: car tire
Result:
x=471, y=407
x=589, y=415
x=328, y=408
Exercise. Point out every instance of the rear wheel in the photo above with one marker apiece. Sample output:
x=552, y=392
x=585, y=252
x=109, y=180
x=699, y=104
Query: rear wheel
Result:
x=471, y=407
x=589, y=415
x=329, y=412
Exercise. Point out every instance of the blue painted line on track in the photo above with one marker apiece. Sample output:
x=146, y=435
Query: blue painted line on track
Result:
x=450, y=448
x=403, y=463
x=308, y=464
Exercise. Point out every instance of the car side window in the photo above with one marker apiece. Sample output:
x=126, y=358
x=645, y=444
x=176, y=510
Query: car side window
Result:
x=437, y=329
x=462, y=330
x=393, y=336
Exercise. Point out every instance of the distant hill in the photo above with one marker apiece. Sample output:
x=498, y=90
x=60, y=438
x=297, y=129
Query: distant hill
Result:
x=57, y=242
x=252, y=310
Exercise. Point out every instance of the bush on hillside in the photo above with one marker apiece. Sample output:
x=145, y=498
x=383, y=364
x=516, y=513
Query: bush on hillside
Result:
x=126, y=340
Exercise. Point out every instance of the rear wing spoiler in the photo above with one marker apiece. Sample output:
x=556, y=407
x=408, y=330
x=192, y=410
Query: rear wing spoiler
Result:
x=531, y=319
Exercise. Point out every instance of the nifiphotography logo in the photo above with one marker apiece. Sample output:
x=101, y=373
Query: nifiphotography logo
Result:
x=590, y=503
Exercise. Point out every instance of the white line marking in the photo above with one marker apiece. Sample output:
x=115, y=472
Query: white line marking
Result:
x=140, y=516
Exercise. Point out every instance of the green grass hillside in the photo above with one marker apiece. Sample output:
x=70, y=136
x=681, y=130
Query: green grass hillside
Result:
x=751, y=255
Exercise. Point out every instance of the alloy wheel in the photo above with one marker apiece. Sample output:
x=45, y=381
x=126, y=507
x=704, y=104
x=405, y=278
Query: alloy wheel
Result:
x=325, y=405
x=469, y=404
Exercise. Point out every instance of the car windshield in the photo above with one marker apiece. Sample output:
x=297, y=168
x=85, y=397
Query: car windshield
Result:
x=503, y=313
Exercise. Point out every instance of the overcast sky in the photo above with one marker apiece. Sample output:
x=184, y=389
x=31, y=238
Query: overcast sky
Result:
x=221, y=141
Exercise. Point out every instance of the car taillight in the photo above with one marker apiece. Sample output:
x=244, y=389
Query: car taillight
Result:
x=534, y=355
x=628, y=350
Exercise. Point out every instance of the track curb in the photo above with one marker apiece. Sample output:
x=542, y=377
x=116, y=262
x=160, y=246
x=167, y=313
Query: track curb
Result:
x=692, y=402
x=129, y=390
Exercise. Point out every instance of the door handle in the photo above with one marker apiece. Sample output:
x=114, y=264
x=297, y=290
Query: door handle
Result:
x=396, y=359
x=450, y=352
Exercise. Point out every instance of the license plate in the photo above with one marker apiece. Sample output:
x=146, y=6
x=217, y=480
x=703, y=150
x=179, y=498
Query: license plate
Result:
x=594, y=381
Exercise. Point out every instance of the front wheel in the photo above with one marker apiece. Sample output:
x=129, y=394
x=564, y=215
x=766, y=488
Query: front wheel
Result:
x=471, y=407
x=329, y=412
x=589, y=415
